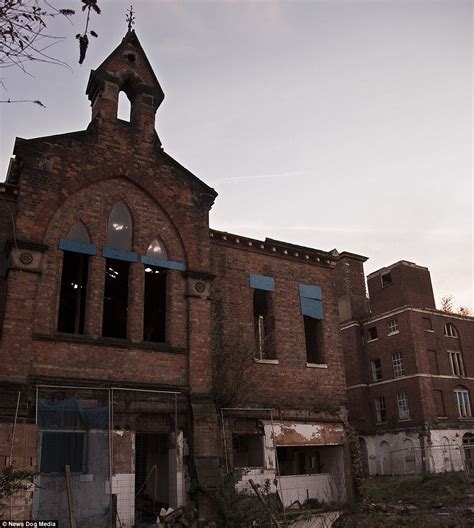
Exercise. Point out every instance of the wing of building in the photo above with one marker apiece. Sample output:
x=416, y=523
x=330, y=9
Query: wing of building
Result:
x=146, y=352
x=409, y=371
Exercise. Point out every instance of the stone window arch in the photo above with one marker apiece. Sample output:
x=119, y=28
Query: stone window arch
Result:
x=450, y=330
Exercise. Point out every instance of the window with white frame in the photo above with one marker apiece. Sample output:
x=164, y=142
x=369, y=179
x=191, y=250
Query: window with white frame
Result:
x=376, y=369
x=380, y=409
x=403, y=410
x=461, y=397
x=398, y=366
x=455, y=360
x=450, y=330
x=392, y=327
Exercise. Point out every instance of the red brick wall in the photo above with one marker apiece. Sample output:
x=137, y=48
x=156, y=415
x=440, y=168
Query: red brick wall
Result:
x=290, y=382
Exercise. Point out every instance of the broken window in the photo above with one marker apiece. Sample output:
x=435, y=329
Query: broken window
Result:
x=263, y=325
x=386, y=279
x=380, y=410
x=299, y=460
x=72, y=297
x=376, y=370
x=455, y=360
x=61, y=448
x=312, y=332
x=247, y=450
x=154, y=317
x=372, y=333
x=124, y=107
x=311, y=301
x=72, y=300
x=114, y=321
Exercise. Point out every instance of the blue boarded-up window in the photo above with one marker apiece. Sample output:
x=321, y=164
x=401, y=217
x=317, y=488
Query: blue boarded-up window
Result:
x=262, y=282
x=311, y=301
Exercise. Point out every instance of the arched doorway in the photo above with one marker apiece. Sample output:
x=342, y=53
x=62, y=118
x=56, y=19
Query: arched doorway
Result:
x=409, y=456
x=385, y=458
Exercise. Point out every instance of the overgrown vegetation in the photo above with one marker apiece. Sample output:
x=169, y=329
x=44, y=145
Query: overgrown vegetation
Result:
x=13, y=480
x=434, y=500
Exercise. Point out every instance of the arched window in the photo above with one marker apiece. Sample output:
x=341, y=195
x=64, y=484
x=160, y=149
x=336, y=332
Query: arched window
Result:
x=119, y=229
x=450, y=330
x=72, y=297
x=124, y=107
x=119, y=236
x=156, y=250
x=154, y=315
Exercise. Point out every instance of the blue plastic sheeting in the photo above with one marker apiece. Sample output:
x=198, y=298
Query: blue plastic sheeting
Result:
x=71, y=414
x=119, y=254
x=77, y=247
x=311, y=292
x=162, y=263
x=311, y=301
x=262, y=282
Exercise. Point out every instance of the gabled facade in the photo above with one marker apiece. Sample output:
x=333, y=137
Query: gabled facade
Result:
x=145, y=351
x=410, y=377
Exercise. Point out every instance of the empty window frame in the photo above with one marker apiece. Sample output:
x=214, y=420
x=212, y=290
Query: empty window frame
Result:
x=312, y=333
x=392, y=327
x=376, y=370
x=247, y=450
x=380, y=409
x=398, y=366
x=263, y=325
x=154, y=316
x=456, y=363
x=311, y=301
x=372, y=333
x=386, y=279
x=115, y=314
x=461, y=398
x=61, y=448
x=72, y=298
x=402, y=402
x=450, y=330
x=299, y=460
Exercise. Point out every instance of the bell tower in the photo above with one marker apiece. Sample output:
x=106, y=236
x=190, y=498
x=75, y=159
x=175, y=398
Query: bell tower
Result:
x=127, y=70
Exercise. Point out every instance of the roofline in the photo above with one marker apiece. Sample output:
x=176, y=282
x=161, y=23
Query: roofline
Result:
x=399, y=263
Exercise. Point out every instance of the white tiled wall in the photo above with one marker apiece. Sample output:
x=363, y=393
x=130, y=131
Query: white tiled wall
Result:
x=123, y=485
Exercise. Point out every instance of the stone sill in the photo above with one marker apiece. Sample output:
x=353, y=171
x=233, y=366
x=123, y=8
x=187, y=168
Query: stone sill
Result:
x=372, y=340
x=317, y=365
x=267, y=361
x=393, y=333
x=109, y=342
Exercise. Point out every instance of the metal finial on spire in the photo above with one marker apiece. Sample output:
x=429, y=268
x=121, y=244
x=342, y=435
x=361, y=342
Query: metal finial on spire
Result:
x=130, y=18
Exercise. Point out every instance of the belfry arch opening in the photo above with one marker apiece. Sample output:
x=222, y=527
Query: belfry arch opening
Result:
x=124, y=107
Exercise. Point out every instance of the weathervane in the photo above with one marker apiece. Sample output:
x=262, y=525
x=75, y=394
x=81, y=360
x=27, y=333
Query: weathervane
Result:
x=130, y=18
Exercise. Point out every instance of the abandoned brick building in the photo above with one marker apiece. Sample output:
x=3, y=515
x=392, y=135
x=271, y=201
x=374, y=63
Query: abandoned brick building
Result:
x=409, y=370
x=144, y=350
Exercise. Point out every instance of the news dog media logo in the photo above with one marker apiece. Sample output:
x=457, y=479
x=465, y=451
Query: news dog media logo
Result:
x=29, y=524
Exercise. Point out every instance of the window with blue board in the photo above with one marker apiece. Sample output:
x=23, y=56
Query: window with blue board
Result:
x=264, y=320
x=311, y=301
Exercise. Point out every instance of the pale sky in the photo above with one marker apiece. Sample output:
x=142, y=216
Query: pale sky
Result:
x=331, y=124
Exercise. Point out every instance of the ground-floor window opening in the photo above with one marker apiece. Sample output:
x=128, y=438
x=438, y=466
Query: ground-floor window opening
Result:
x=61, y=448
x=152, y=452
x=299, y=460
x=247, y=450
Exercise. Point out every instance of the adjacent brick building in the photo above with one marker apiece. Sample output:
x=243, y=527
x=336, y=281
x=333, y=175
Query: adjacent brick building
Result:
x=409, y=370
x=144, y=350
